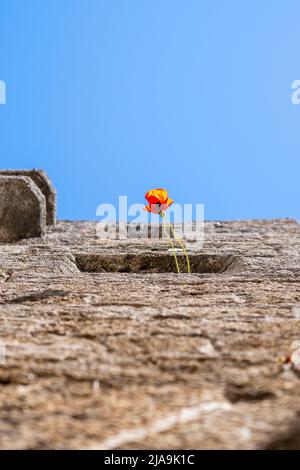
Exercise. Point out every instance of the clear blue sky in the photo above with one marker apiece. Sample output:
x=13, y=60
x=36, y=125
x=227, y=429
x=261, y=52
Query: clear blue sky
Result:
x=116, y=97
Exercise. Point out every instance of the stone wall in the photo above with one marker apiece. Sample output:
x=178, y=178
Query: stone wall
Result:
x=106, y=347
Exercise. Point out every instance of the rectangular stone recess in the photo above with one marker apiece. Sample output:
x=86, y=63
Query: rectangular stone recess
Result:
x=154, y=263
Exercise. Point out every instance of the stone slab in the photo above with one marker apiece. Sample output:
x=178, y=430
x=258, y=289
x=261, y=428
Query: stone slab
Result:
x=22, y=209
x=43, y=182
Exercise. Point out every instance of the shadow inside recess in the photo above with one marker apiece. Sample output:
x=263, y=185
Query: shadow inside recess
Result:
x=155, y=263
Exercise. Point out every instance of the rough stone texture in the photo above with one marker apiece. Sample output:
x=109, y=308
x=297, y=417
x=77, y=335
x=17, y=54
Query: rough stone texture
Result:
x=43, y=182
x=150, y=360
x=22, y=209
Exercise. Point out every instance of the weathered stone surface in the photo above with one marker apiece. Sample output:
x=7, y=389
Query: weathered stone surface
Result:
x=43, y=182
x=150, y=359
x=22, y=209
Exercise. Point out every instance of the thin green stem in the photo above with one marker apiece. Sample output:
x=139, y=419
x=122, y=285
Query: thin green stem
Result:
x=180, y=243
x=173, y=248
x=183, y=249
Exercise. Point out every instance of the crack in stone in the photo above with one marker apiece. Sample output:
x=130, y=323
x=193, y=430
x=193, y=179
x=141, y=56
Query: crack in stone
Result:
x=36, y=297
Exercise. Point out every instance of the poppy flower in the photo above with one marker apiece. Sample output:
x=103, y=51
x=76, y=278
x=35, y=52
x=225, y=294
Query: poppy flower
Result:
x=158, y=200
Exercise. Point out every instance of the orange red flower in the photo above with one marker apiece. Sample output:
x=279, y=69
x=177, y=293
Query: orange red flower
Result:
x=158, y=200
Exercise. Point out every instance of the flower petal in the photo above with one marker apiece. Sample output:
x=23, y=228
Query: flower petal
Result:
x=158, y=195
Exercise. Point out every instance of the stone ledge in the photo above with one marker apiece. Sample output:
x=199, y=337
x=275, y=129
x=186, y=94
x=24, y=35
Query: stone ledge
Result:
x=22, y=209
x=40, y=178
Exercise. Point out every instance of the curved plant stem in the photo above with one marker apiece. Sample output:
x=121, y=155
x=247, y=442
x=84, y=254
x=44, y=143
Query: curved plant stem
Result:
x=183, y=249
x=173, y=248
x=180, y=243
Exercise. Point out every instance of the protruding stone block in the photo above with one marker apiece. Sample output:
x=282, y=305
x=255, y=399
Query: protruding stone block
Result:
x=42, y=181
x=22, y=209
